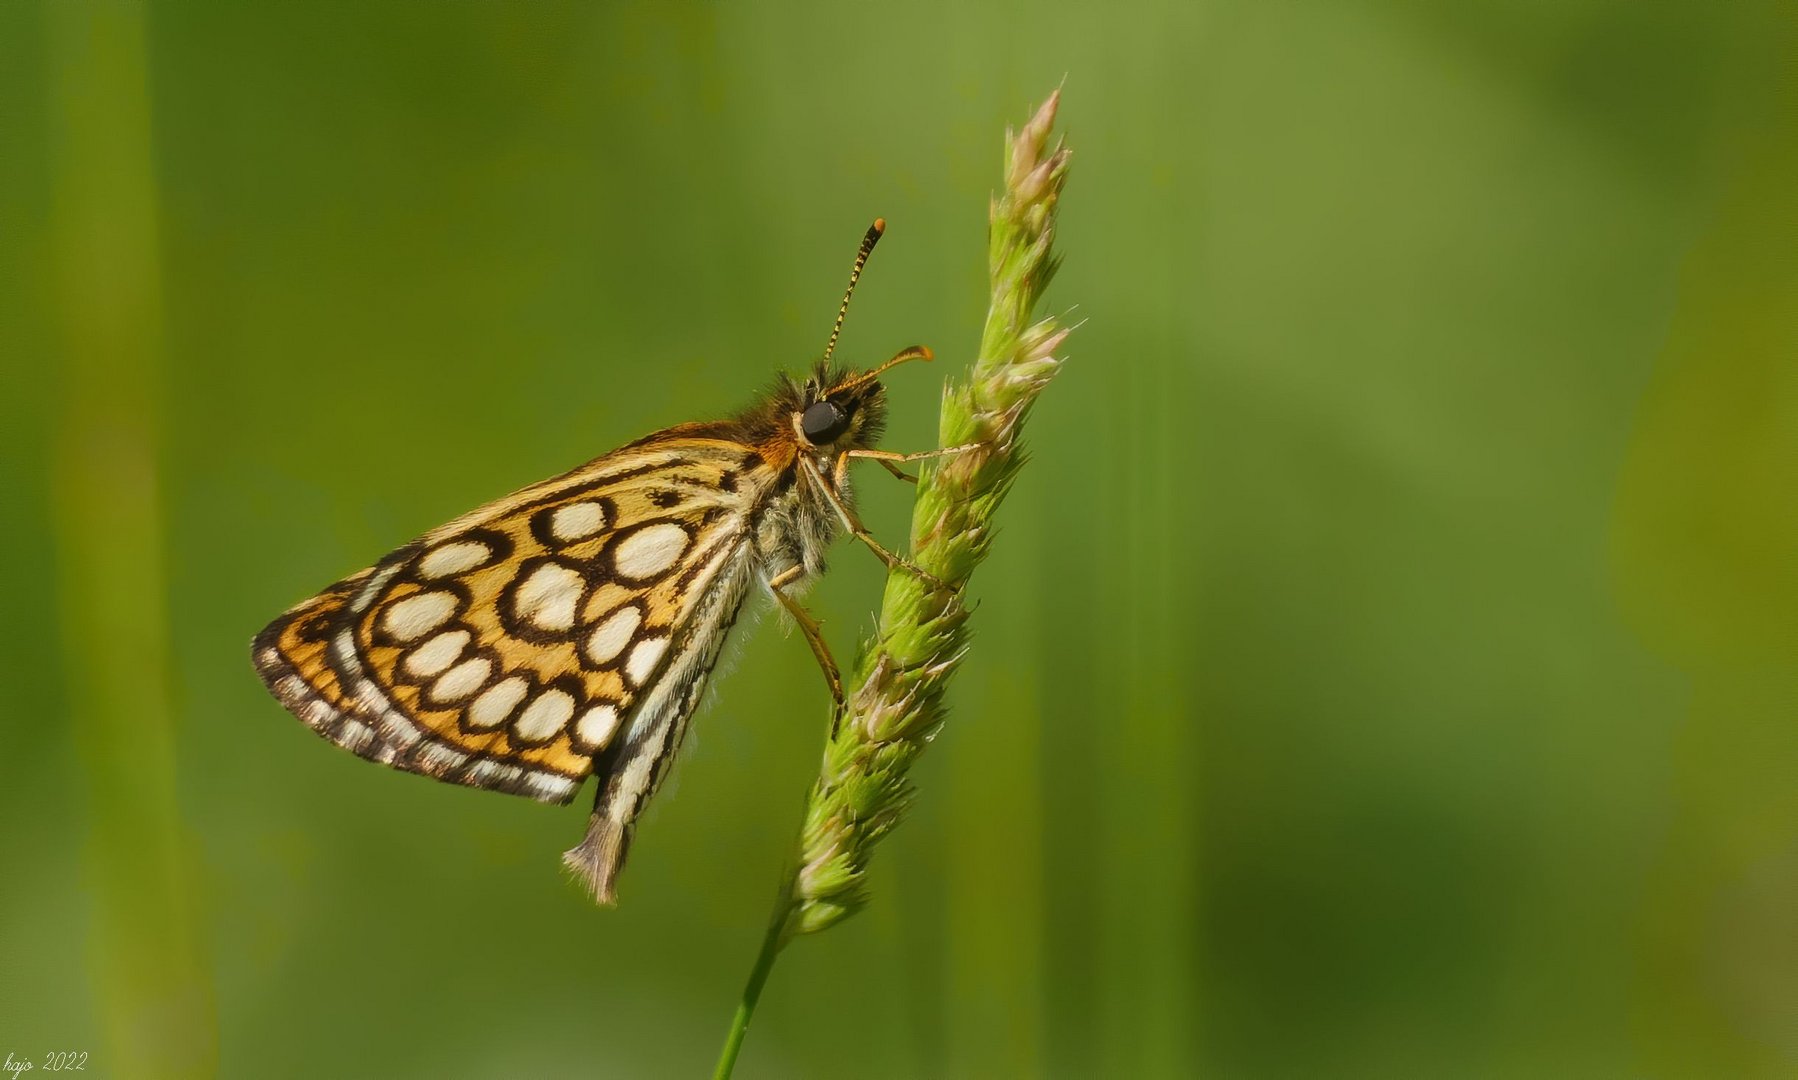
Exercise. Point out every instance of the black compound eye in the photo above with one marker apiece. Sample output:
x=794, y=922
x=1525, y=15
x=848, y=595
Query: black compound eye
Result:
x=823, y=422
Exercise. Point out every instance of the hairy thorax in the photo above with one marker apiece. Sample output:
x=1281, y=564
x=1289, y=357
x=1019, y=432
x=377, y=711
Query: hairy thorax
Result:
x=797, y=528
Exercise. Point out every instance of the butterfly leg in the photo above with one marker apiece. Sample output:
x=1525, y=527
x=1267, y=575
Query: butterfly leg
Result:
x=891, y=460
x=898, y=472
x=808, y=626
x=860, y=531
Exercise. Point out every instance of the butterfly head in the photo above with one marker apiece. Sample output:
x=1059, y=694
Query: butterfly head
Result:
x=830, y=415
x=839, y=410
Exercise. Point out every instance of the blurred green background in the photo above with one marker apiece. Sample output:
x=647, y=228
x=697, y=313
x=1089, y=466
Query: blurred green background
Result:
x=1388, y=669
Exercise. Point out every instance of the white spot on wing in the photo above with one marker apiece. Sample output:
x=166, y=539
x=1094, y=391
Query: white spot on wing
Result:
x=484, y=772
x=355, y=735
x=548, y=597
x=596, y=726
x=636, y=776
x=642, y=662
x=462, y=680
x=373, y=589
x=545, y=786
x=577, y=520
x=650, y=550
x=438, y=756
x=497, y=702
x=438, y=653
x=544, y=716
x=454, y=558
x=610, y=637
x=397, y=729
x=343, y=653
x=417, y=615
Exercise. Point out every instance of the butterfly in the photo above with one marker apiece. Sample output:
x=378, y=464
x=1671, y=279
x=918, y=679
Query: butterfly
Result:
x=569, y=628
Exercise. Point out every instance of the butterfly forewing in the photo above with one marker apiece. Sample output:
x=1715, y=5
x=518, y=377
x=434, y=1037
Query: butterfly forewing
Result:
x=569, y=628
x=569, y=622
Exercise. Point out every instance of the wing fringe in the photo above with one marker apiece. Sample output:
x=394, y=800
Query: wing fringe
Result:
x=363, y=735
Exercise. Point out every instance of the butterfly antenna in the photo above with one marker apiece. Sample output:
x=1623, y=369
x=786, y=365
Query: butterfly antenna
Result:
x=910, y=352
x=869, y=239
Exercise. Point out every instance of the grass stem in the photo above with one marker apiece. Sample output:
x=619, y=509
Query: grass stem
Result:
x=772, y=943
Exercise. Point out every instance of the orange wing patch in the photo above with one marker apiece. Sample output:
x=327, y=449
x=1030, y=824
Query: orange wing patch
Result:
x=507, y=649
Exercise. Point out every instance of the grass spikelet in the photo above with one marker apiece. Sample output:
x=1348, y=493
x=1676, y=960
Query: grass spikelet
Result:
x=894, y=701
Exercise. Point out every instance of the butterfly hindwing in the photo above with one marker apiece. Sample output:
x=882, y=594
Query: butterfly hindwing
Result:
x=513, y=647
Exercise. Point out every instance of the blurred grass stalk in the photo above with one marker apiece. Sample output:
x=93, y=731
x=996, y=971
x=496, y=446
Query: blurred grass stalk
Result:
x=144, y=952
x=896, y=705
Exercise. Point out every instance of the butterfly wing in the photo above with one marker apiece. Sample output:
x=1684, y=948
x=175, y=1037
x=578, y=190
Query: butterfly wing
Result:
x=518, y=646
